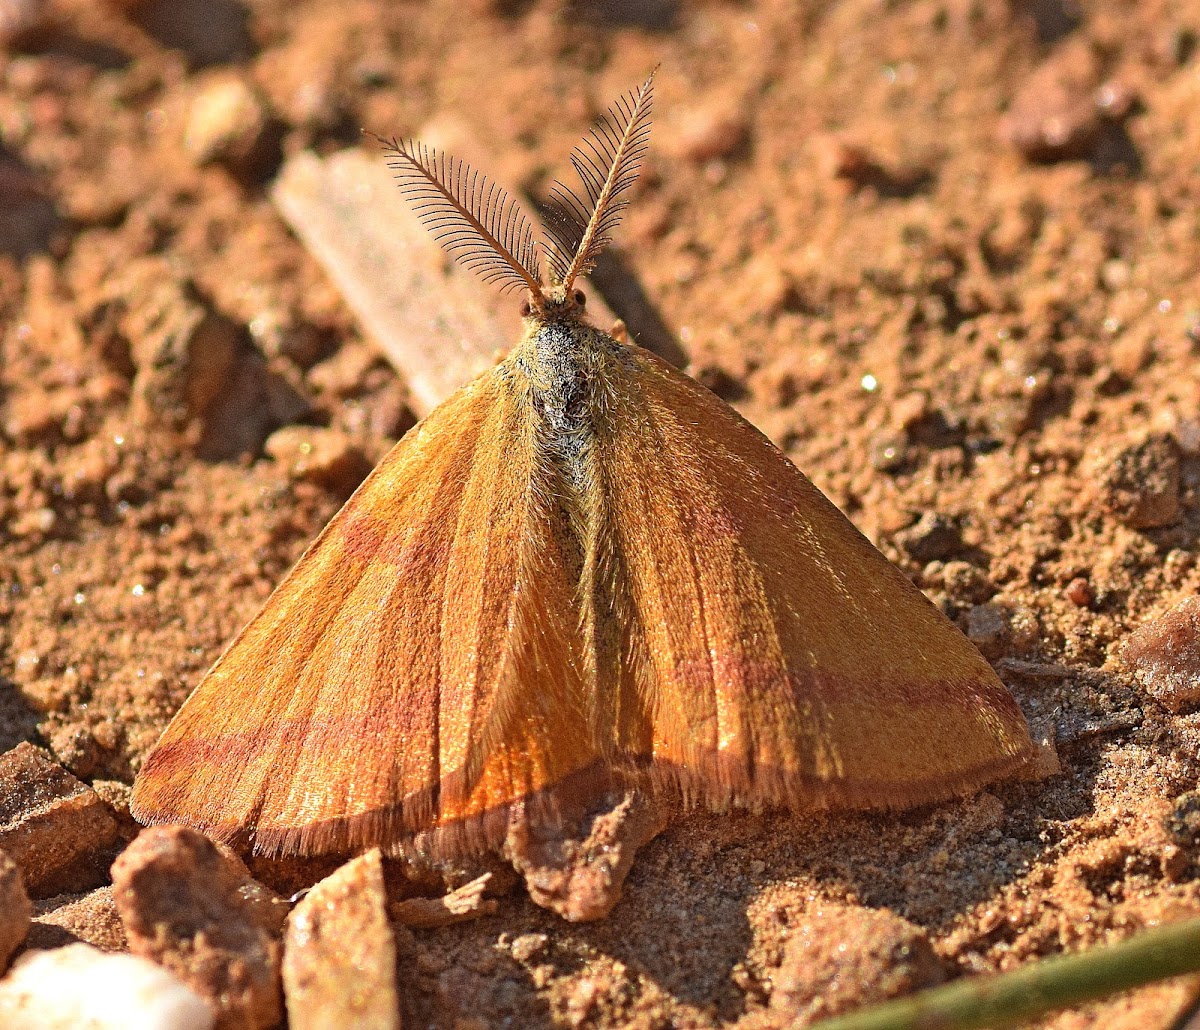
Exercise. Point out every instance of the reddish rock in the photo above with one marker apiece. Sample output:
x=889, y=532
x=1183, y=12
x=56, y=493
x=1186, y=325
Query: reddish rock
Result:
x=1164, y=655
x=1140, y=484
x=966, y=584
x=1055, y=115
x=708, y=133
x=933, y=537
x=51, y=824
x=339, y=965
x=116, y=795
x=856, y=166
x=459, y=905
x=581, y=877
x=15, y=910
x=327, y=457
x=196, y=372
x=70, y=918
x=184, y=905
x=843, y=956
x=77, y=749
x=1079, y=592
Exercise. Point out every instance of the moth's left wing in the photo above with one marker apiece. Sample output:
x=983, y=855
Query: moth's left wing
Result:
x=779, y=657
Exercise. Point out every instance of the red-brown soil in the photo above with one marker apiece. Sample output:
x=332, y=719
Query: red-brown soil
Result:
x=946, y=253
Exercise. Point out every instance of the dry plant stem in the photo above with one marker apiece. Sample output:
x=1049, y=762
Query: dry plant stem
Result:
x=1038, y=988
x=467, y=902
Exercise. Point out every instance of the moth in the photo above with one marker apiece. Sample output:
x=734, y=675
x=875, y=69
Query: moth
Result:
x=582, y=572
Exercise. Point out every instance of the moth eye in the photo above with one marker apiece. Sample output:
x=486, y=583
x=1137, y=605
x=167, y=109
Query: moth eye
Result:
x=580, y=298
x=526, y=309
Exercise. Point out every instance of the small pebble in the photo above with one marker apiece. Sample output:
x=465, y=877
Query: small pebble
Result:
x=582, y=1001
x=50, y=822
x=1025, y=629
x=1140, y=484
x=1183, y=822
x=227, y=123
x=1115, y=274
x=965, y=583
x=117, y=796
x=74, y=745
x=911, y=409
x=68, y=919
x=21, y=18
x=35, y=523
x=197, y=373
x=1164, y=655
x=464, y=903
x=346, y=372
x=339, y=965
x=1054, y=115
x=709, y=133
x=770, y=289
x=1079, y=592
x=327, y=457
x=1187, y=435
x=184, y=904
x=889, y=452
x=934, y=537
x=528, y=946
x=839, y=957
x=854, y=166
x=1130, y=354
x=15, y=910
x=841, y=158
x=304, y=81
x=1115, y=99
x=582, y=879
x=988, y=629
x=80, y=987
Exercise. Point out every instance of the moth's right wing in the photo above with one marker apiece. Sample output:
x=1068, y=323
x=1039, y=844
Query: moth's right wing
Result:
x=375, y=695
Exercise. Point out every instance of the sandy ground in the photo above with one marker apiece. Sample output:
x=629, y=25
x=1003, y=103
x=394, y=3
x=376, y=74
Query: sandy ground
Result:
x=946, y=253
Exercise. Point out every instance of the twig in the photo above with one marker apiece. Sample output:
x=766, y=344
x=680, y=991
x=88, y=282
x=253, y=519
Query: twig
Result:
x=463, y=903
x=1037, y=988
x=1052, y=671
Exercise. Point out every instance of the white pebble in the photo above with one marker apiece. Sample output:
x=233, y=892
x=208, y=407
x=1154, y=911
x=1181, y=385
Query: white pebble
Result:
x=81, y=986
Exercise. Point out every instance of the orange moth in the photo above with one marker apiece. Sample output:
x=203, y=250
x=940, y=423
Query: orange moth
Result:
x=581, y=571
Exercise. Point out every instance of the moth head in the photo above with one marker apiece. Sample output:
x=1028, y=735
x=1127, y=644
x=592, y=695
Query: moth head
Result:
x=557, y=304
x=485, y=229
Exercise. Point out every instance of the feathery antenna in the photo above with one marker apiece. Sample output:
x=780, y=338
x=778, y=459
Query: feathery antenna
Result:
x=475, y=220
x=580, y=224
